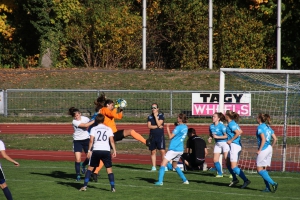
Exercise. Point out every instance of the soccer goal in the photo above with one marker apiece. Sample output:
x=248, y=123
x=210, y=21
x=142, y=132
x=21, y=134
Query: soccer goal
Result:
x=276, y=92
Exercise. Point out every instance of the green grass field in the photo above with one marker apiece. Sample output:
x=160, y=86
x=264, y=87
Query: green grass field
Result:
x=56, y=180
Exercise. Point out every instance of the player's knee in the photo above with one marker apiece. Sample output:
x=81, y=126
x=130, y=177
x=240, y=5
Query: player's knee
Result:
x=3, y=184
x=127, y=132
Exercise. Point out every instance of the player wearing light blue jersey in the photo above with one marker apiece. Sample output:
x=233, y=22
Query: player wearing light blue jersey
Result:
x=264, y=135
x=176, y=148
x=217, y=130
x=234, y=140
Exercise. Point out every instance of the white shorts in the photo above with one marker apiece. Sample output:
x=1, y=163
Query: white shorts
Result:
x=221, y=147
x=234, y=153
x=265, y=157
x=173, y=155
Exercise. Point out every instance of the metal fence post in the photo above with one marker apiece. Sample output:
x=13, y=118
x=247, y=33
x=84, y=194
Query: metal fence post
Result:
x=285, y=122
x=5, y=103
x=171, y=103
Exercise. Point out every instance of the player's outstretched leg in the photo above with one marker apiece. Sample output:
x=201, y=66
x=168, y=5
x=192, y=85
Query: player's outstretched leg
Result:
x=135, y=135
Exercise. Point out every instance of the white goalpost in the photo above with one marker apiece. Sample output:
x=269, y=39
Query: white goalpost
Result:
x=276, y=92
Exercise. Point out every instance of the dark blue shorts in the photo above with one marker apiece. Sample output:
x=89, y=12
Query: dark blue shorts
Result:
x=2, y=177
x=98, y=155
x=78, y=145
x=157, y=142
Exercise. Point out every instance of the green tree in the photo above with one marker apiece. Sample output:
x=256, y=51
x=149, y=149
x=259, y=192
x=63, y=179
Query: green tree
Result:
x=106, y=34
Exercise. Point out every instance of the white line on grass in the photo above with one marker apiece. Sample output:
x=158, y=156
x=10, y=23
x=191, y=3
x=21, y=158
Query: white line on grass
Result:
x=117, y=168
x=165, y=188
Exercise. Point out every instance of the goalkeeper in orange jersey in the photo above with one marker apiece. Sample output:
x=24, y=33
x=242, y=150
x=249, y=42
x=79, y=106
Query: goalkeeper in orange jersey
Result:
x=107, y=108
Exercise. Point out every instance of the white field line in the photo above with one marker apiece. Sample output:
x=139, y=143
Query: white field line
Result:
x=165, y=188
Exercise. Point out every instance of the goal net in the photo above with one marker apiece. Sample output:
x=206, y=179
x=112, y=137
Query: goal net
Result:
x=275, y=92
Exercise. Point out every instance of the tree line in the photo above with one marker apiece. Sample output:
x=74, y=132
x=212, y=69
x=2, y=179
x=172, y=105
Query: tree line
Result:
x=108, y=34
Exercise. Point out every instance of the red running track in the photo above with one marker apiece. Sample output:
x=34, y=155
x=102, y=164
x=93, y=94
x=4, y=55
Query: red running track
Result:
x=40, y=128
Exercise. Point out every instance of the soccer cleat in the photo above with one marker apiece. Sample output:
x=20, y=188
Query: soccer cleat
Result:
x=246, y=183
x=153, y=169
x=78, y=178
x=186, y=182
x=275, y=186
x=234, y=182
x=83, y=188
x=230, y=176
x=95, y=177
x=266, y=190
x=158, y=183
x=113, y=189
x=219, y=176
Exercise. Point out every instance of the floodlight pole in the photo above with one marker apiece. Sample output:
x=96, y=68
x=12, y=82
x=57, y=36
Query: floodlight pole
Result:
x=144, y=33
x=279, y=35
x=210, y=33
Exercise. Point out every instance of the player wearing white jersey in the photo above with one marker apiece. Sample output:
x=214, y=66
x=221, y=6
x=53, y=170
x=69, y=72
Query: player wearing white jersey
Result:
x=80, y=138
x=100, y=144
x=264, y=136
x=3, y=184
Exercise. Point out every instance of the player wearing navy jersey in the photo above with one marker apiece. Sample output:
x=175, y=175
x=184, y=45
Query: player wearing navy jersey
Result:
x=234, y=141
x=3, y=184
x=80, y=138
x=264, y=135
x=157, y=138
x=175, y=150
x=100, y=144
x=217, y=131
x=196, y=151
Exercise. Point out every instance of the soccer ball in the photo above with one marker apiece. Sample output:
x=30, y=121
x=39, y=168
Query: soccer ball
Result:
x=121, y=103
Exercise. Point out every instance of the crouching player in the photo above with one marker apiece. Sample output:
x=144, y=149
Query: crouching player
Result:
x=101, y=137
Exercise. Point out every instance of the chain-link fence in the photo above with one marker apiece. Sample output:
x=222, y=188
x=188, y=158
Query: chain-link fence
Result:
x=46, y=102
